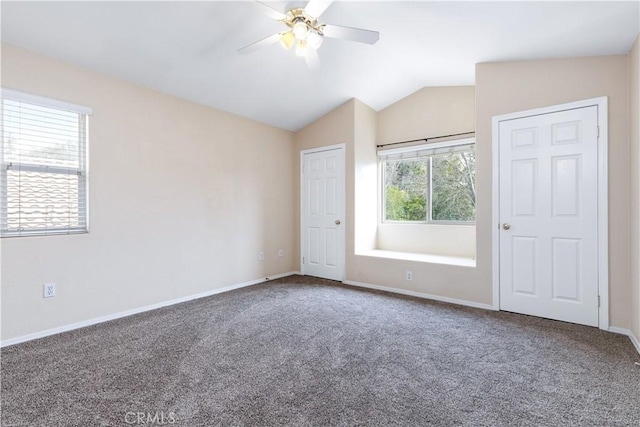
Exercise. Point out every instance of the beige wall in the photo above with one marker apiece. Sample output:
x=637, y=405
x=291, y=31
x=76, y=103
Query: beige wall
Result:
x=634, y=123
x=431, y=111
x=183, y=197
x=448, y=240
x=366, y=178
x=515, y=86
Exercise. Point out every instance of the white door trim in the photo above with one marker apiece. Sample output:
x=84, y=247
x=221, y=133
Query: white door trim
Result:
x=344, y=180
x=603, y=205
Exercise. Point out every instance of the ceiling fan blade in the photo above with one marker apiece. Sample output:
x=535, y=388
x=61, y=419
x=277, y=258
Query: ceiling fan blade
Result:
x=267, y=10
x=274, y=38
x=315, y=8
x=354, y=34
x=312, y=59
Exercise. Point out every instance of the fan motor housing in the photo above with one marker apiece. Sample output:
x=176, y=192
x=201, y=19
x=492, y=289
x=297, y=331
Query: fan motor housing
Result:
x=297, y=15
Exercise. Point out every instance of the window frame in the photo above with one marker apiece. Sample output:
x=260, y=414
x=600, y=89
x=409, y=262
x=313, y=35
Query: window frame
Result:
x=412, y=152
x=82, y=170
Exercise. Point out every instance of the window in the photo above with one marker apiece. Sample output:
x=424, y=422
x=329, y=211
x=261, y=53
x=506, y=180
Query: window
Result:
x=43, y=160
x=430, y=183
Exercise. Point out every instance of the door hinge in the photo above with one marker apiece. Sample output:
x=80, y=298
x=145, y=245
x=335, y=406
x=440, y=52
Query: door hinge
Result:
x=303, y=260
x=598, y=128
x=598, y=301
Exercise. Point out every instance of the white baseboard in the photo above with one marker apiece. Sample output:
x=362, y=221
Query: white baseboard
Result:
x=96, y=320
x=421, y=295
x=627, y=332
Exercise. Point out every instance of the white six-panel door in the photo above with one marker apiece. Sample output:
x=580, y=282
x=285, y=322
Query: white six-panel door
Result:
x=323, y=213
x=548, y=213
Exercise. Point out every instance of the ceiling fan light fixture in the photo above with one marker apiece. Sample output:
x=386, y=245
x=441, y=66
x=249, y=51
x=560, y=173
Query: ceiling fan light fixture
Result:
x=314, y=39
x=301, y=48
x=306, y=32
x=300, y=30
x=287, y=39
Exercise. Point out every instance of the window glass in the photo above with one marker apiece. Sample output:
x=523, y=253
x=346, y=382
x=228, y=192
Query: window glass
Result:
x=406, y=189
x=453, y=193
x=428, y=185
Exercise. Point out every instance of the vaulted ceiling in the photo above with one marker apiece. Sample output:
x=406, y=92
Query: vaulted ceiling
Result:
x=189, y=49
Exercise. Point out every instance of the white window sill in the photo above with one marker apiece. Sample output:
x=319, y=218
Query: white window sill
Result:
x=410, y=256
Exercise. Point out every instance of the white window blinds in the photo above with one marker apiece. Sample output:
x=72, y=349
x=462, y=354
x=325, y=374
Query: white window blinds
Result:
x=428, y=149
x=43, y=166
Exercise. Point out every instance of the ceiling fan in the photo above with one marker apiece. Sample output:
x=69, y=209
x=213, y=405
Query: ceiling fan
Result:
x=305, y=32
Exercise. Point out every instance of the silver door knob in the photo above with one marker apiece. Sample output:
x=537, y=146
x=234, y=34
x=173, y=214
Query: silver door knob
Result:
x=337, y=222
x=506, y=226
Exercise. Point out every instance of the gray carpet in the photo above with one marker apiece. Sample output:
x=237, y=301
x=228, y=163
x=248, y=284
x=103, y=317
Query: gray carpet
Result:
x=302, y=351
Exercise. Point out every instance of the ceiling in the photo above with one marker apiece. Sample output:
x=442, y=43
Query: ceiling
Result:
x=189, y=49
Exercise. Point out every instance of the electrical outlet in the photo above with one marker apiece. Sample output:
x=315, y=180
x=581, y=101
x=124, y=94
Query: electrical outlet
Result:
x=280, y=253
x=261, y=256
x=49, y=290
x=409, y=275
